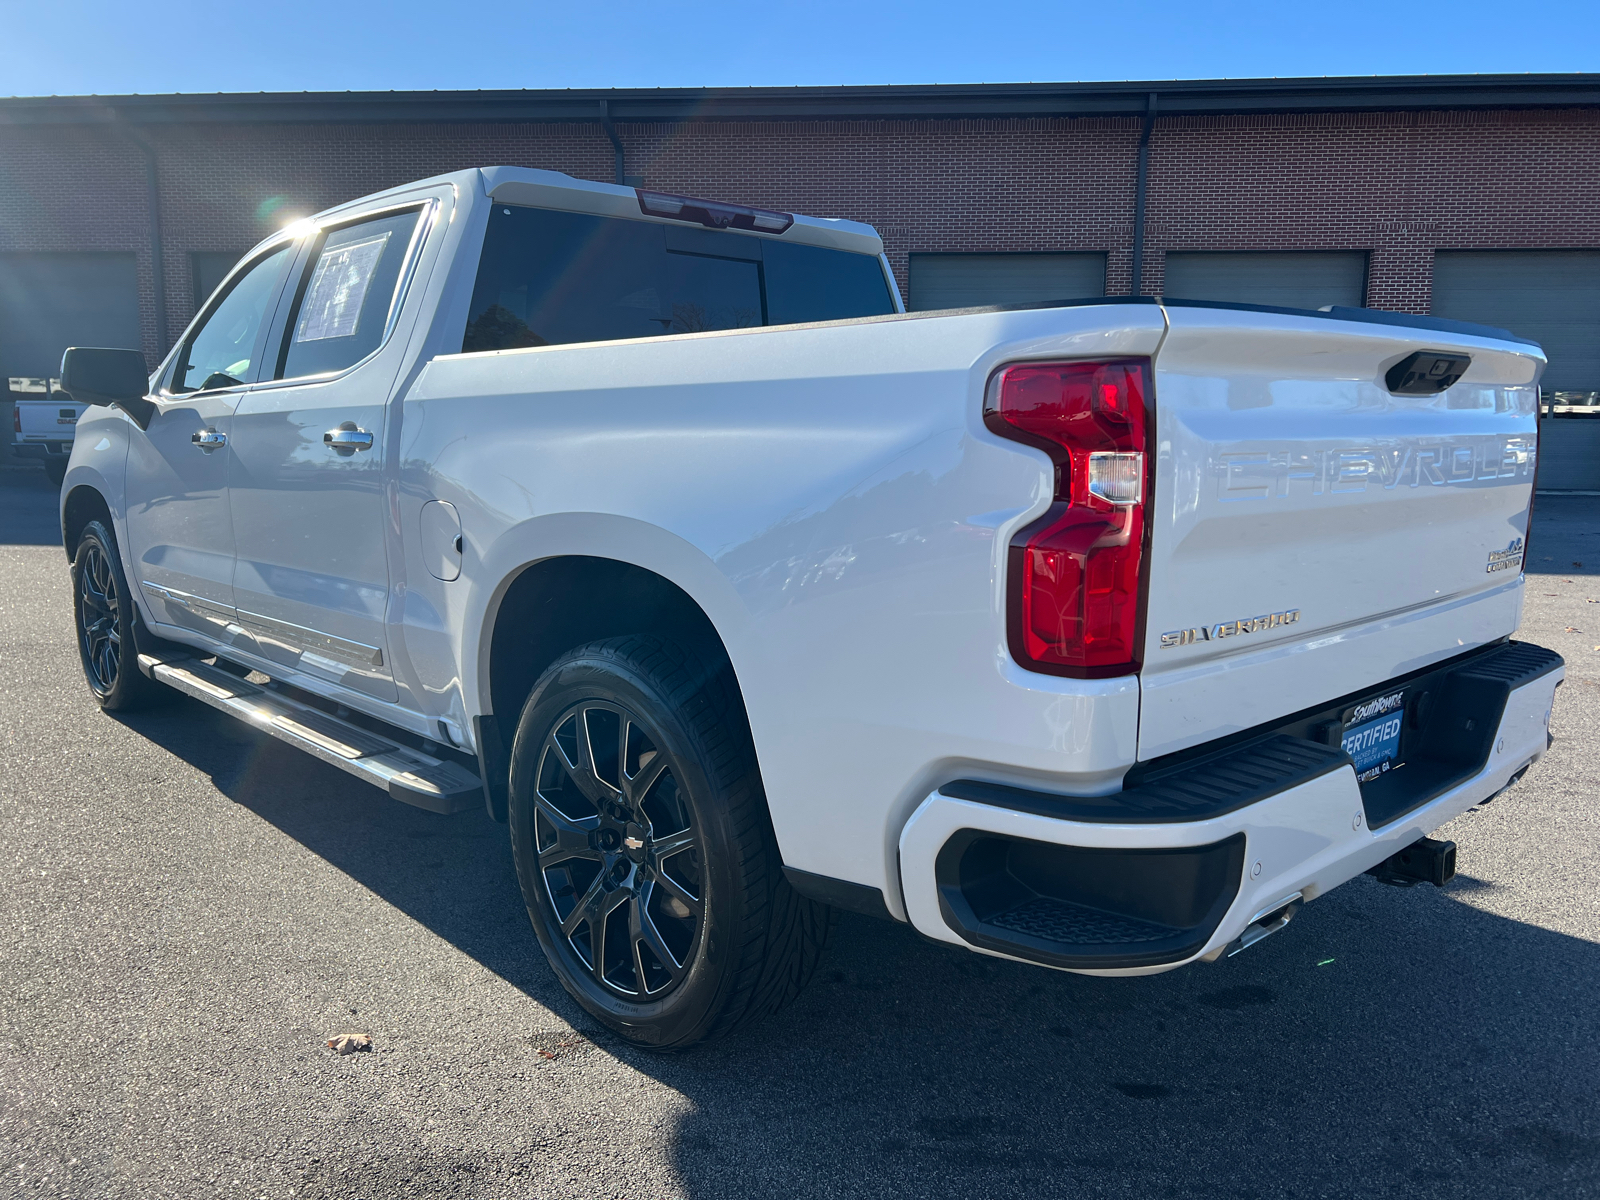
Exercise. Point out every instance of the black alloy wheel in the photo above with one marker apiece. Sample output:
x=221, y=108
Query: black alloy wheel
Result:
x=108, y=625
x=619, y=852
x=99, y=618
x=644, y=848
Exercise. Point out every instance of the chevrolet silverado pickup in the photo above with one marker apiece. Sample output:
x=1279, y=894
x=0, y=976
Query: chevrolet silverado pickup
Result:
x=1101, y=634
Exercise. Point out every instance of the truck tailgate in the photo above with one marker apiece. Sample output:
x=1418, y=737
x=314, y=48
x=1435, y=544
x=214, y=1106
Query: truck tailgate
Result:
x=1312, y=534
x=47, y=420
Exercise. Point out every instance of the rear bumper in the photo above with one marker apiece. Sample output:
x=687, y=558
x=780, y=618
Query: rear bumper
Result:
x=1128, y=885
x=43, y=451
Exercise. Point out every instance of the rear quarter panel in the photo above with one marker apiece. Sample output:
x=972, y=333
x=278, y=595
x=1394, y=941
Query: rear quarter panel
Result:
x=830, y=498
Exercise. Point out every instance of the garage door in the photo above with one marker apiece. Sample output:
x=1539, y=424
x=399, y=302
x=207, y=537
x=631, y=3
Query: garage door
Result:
x=51, y=301
x=1553, y=297
x=971, y=280
x=1309, y=279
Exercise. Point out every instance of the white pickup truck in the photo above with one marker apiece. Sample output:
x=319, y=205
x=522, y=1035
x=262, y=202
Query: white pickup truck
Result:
x=1102, y=634
x=43, y=423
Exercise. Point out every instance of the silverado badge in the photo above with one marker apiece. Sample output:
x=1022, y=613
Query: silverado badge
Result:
x=1212, y=633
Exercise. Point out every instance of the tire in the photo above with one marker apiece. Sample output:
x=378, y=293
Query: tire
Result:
x=55, y=469
x=108, y=626
x=644, y=848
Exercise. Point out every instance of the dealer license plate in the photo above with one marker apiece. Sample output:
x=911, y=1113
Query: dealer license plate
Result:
x=1373, y=745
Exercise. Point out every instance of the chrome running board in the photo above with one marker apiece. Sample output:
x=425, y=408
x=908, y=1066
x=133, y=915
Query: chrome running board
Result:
x=408, y=775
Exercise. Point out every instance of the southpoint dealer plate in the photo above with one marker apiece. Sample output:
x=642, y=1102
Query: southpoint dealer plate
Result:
x=1373, y=741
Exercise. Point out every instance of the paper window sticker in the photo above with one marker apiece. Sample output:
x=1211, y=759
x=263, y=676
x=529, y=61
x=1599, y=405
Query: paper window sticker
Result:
x=333, y=302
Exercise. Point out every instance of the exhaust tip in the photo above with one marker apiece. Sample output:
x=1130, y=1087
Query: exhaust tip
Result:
x=1264, y=924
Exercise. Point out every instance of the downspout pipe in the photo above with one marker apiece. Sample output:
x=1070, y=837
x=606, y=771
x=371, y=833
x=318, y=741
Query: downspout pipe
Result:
x=616, y=142
x=1140, y=184
x=158, y=274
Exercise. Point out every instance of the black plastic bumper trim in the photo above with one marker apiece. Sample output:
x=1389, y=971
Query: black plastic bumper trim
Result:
x=1230, y=780
x=839, y=893
x=44, y=450
x=1086, y=908
x=1247, y=768
x=494, y=766
x=1453, y=717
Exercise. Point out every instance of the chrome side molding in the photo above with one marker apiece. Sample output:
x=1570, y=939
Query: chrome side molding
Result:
x=195, y=604
x=298, y=637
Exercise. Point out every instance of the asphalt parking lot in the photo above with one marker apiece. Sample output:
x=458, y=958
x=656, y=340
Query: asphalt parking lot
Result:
x=189, y=910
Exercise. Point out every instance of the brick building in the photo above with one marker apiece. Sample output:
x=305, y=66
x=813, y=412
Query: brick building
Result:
x=1475, y=197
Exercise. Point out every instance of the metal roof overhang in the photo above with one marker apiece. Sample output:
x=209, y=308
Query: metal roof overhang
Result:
x=895, y=102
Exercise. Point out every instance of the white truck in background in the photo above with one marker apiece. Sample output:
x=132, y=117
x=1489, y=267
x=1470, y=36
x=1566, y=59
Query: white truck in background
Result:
x=1102, y=635
x=43, y=422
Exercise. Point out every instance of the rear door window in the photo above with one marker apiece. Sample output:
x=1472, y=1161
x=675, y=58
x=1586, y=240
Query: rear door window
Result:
x=548, y=278
x=346, y=294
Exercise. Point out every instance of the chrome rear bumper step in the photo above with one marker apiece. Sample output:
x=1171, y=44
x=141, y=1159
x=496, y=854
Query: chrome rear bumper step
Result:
x=407, y=775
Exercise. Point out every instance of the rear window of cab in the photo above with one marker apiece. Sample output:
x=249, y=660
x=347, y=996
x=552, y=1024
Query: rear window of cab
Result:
x=546, y=278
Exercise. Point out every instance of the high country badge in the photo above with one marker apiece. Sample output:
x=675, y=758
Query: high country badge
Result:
x=1505, y=560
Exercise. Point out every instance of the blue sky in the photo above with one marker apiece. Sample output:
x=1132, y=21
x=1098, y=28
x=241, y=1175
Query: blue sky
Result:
x=69, y=47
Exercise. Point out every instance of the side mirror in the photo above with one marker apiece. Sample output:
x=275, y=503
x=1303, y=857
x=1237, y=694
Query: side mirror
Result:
x=93, y=375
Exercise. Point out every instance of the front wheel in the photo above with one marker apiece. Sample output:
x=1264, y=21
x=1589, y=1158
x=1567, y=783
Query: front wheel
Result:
x=644, y=850
x=106, y=623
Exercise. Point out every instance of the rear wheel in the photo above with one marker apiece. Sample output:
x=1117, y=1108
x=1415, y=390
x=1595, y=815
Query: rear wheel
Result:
x=644, y=850
x=55, y=468
x=107, y=625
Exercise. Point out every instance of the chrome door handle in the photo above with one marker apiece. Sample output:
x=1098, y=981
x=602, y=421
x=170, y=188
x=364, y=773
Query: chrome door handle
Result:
x=347, y=439
x=208, y=439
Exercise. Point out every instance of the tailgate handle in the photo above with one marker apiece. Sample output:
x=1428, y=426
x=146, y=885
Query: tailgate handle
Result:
x=1426, y=372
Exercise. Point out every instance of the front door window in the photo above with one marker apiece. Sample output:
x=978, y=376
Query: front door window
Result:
x=224, y=350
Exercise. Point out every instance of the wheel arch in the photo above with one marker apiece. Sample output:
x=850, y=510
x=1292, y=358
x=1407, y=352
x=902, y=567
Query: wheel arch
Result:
x=82, y=504
x=598, y=577
x=568, y=600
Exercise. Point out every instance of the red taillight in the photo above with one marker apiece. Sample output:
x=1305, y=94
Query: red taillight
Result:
x=1075, y=589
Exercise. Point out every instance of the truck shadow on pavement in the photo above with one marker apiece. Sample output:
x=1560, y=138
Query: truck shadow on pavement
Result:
x=1390, y=1042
